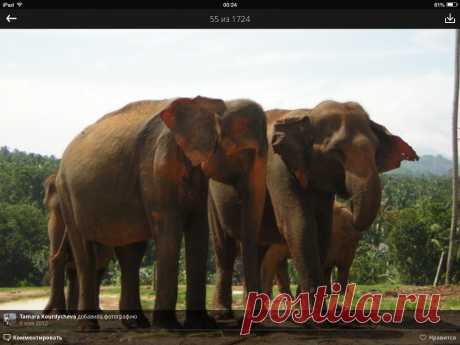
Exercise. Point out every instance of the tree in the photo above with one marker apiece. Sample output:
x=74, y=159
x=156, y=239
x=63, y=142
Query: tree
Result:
x=23, y=222
x=453, y=227
x=23, y=245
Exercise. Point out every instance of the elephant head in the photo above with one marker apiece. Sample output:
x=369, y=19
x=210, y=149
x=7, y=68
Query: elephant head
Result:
x=195, y=125
x=293, y=139
x=336, y=147
x=235, y=153
x=226, y=139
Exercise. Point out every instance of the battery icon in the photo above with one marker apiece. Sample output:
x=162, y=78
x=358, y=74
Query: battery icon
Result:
x=452, y=4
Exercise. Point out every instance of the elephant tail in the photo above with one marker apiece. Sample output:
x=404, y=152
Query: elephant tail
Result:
x=73, y=243
x=63, y=247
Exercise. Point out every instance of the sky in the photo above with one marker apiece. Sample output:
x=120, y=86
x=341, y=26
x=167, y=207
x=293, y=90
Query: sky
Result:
x=53, y=83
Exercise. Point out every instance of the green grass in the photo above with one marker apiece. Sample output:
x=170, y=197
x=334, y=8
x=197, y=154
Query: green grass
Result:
x=148, y=296
x=449, y=302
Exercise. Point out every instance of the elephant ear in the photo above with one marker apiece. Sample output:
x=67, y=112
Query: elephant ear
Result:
x=392, y=149
x=195, y=125
x=293, y=141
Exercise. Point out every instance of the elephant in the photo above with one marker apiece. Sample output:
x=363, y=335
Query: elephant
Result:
x=315, y=154
x=344, y=241
x=142, y=172
x=342, y=246
x=60, y=256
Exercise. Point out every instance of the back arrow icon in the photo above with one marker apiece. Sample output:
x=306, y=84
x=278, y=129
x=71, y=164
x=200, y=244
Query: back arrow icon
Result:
x=9, y=18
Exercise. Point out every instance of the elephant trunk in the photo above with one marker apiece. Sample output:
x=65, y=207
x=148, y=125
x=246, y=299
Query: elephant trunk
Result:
x=252, y=190
x=366, y=193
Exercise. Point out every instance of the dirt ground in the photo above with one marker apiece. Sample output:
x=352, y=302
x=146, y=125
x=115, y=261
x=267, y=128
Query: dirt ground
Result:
x=446, y=291
x=107, y=302
x=447, y=331
x=112, y=332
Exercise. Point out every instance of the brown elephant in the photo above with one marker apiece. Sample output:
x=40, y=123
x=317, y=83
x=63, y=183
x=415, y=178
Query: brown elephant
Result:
x=60, y=256
x=142, y=172
x=344, y=241
x=342, y=246
x=315, y=154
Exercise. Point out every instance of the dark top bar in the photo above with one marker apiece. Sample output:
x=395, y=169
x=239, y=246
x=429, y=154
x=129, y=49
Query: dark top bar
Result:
x=222, y=19
x=218, y=4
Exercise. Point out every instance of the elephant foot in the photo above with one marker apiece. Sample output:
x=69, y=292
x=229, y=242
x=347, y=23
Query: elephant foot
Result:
x=165, y=320
x=54, y=307
x=140, y=321
x=143, y=321
x=223, y=315
x=88, y=325
x=199, y=320
x=52, y=310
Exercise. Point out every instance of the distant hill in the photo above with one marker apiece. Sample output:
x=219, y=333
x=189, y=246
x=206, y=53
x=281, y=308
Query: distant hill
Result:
x=11, y=160
x=427, y=165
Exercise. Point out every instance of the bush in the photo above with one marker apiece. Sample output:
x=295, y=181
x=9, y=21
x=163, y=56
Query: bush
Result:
x=146, y=275
x=112, y=275
x=371, y=265
x=417, y=235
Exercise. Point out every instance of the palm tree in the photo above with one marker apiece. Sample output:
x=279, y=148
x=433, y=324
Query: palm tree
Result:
x=453, y=227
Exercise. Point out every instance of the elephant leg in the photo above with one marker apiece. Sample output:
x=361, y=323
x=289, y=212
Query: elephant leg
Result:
x=168, y=240
x=130, y=258
x=56, y=301
x=84, y=257
x=343, y=272
x=72, y=289
x=327, y=277
x=196, y=254
x=324, y=213
x=86, y=272
x=100, y=276
x=56, y=262
x=225, y=251
x=271, y=262
x=296, y=214
x=261, y=253
x=302, y=239
x=282, y=278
